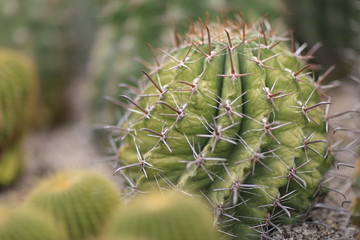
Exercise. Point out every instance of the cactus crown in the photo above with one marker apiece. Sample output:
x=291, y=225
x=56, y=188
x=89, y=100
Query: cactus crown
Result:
x=231, y=113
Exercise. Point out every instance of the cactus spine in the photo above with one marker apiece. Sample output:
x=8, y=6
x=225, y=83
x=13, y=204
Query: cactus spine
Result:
x=81, y=201
x=233, y=114
x=163, y=216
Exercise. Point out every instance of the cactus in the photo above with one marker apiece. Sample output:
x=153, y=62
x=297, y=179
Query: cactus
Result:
x=11, y=162
x=233, y=114
x=127, y=25
x=81, y=201
x=26, y=223
x=18, y=96
x=57, y=34
x=18, y=90
x=334, y=24
x=163, y=216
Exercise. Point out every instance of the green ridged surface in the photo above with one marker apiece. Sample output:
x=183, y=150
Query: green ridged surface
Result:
x=27, y=224
x=126, y=27
x=247, y=143
x=18, y=92
x=11, y=162
x=333, y=23
x=81, y=201
x=58, y=35
x=162, y=216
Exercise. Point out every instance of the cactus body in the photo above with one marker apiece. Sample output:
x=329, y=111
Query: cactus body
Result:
x=126, y=27
x=27, y=224
x=81, y=201
x=163, y=216
x=11, y=162
x=18, y=91
x=18, y=98
x=234, y=116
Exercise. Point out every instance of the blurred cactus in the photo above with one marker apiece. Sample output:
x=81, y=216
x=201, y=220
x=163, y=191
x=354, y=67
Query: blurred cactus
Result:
x=81, y=201
x=57, y=34
x=333, y=23
x=163, y=216
x=27, y=224
x=18, y=98
x=11, y=162
x=18, y=91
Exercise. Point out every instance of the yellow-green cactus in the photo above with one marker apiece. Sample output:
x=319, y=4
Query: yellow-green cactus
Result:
x=231, y=113
x=18, y=94
x=11, y=162
x=27, y=224
x=163, y=216
x=81, y=201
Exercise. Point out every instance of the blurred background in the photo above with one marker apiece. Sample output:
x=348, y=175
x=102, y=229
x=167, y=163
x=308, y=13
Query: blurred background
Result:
x=79, y=55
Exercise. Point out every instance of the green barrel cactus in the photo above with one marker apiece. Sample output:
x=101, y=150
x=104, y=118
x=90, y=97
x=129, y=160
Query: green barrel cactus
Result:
x=58, y=35
x=18, y=91
x=80, y=201
x=163, y=216
x=11, y=163
x=232, y=114
x=126, y=27
x=334, y=24
x=27, y=224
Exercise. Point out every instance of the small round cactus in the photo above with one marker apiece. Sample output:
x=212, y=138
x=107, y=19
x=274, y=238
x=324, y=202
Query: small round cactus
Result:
x=27, y=224
x=231, y=113
x=81, y=201
x=163, y=216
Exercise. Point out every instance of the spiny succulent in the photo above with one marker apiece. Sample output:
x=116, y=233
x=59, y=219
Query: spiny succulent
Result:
x=27, y=224
x=11, y=162
x=163, y=216
x=81, y=201
x=18, y=91
x=127, y=25
x=232, y=114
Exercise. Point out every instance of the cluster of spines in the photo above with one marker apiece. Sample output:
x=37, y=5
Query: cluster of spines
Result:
x=81, y=202
x=156, y=143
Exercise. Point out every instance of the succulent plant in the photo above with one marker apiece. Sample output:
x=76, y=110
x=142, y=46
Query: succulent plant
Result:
x=334, y=24
x=231, y=113
x=18, y=91
x=127, y=25
x=81, y=201
x=11, y=162
x=163, y=216
x=57, y=34
x=27, y=224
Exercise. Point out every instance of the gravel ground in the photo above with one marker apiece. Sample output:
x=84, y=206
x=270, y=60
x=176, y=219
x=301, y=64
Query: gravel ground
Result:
x=70, y=147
